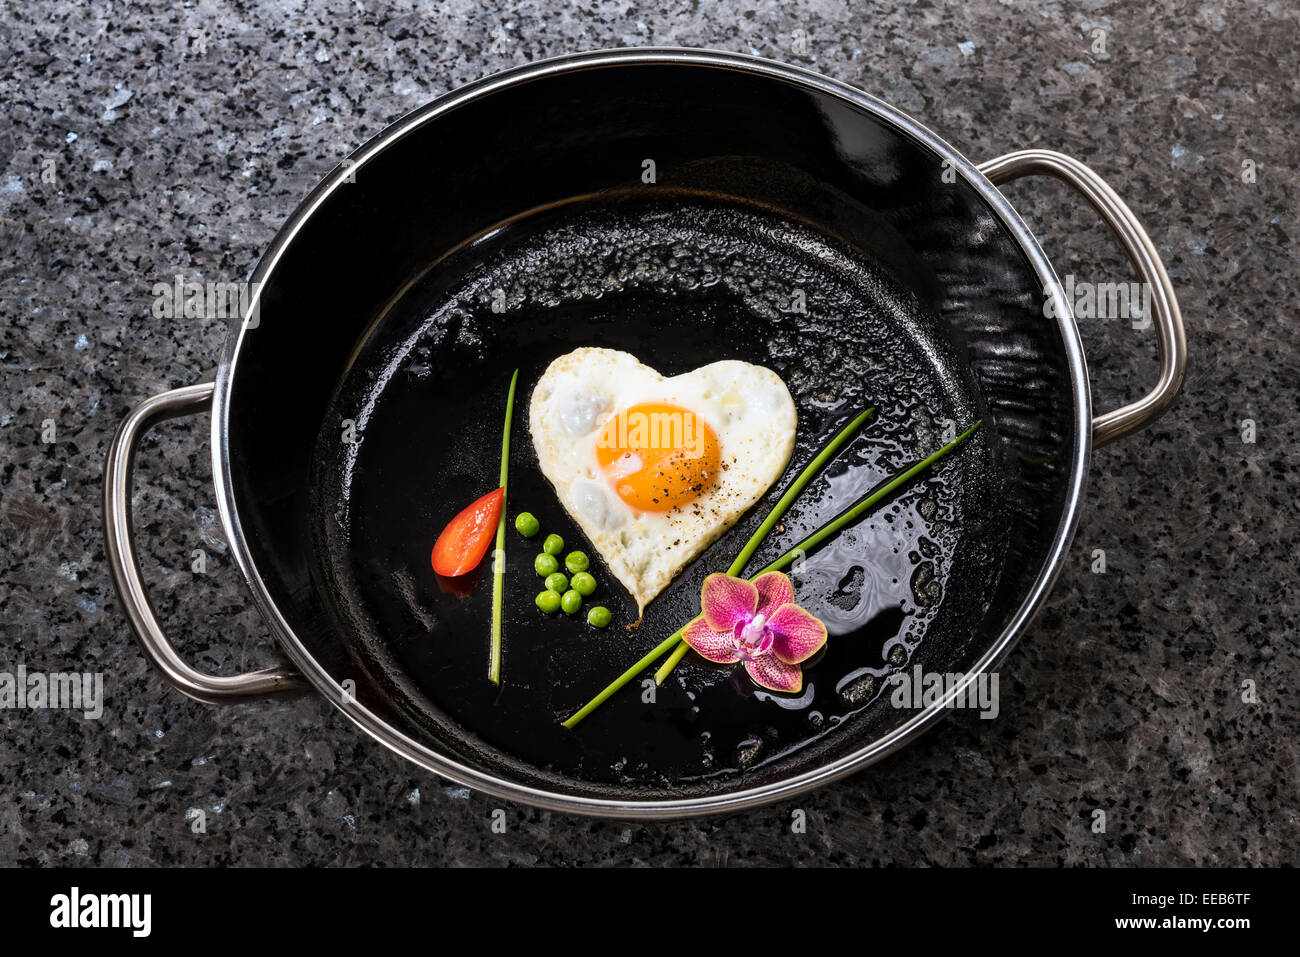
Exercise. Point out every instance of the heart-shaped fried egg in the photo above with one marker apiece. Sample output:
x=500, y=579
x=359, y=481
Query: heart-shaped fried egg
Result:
x=654, y=469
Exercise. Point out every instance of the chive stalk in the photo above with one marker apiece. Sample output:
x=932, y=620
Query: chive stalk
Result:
x=499, y=553
x=784, y=561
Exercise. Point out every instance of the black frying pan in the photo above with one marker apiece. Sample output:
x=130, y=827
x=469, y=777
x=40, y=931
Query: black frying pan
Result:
x=361, y=406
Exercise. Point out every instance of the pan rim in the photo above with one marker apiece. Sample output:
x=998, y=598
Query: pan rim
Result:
x=725, y=801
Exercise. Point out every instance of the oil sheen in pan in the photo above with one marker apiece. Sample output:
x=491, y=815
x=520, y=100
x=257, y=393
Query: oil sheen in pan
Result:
x=679, y=281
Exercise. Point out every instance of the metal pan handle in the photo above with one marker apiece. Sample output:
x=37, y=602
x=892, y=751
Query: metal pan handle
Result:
x=126, y=568
x=1171, y=340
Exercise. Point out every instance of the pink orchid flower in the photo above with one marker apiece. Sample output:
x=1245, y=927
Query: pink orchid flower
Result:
x=759, y=624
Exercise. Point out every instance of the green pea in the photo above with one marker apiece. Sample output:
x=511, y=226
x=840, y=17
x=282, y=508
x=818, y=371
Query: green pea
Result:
x=546, y=564
x=553, y=545
x=527, y=525
x=599, y=617
x=583, y=584
x=576, y=562
x=557, y=582
x=549, y=601
x=570, y=601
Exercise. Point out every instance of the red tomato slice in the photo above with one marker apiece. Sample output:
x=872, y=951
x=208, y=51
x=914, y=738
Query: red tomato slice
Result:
x=465, y=540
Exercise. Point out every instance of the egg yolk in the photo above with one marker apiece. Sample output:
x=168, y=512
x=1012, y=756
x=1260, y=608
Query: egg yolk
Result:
x=658, y=456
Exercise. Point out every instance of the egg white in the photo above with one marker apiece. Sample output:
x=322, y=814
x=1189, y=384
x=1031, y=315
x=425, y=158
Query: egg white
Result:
x=748, y=407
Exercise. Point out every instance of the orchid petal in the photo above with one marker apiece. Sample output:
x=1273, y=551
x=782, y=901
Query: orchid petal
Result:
x=772, y=673
x=797, y=633
x=715, y=646
x=727, y=601
x=774, y=590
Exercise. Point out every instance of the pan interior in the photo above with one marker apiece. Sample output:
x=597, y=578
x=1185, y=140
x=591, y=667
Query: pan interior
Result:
x=679, y=280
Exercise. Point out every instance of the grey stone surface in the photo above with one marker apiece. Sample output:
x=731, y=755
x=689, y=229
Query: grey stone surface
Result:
x=179, y=137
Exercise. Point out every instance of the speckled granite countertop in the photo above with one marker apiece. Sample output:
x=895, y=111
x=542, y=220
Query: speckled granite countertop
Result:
x=139, y=142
